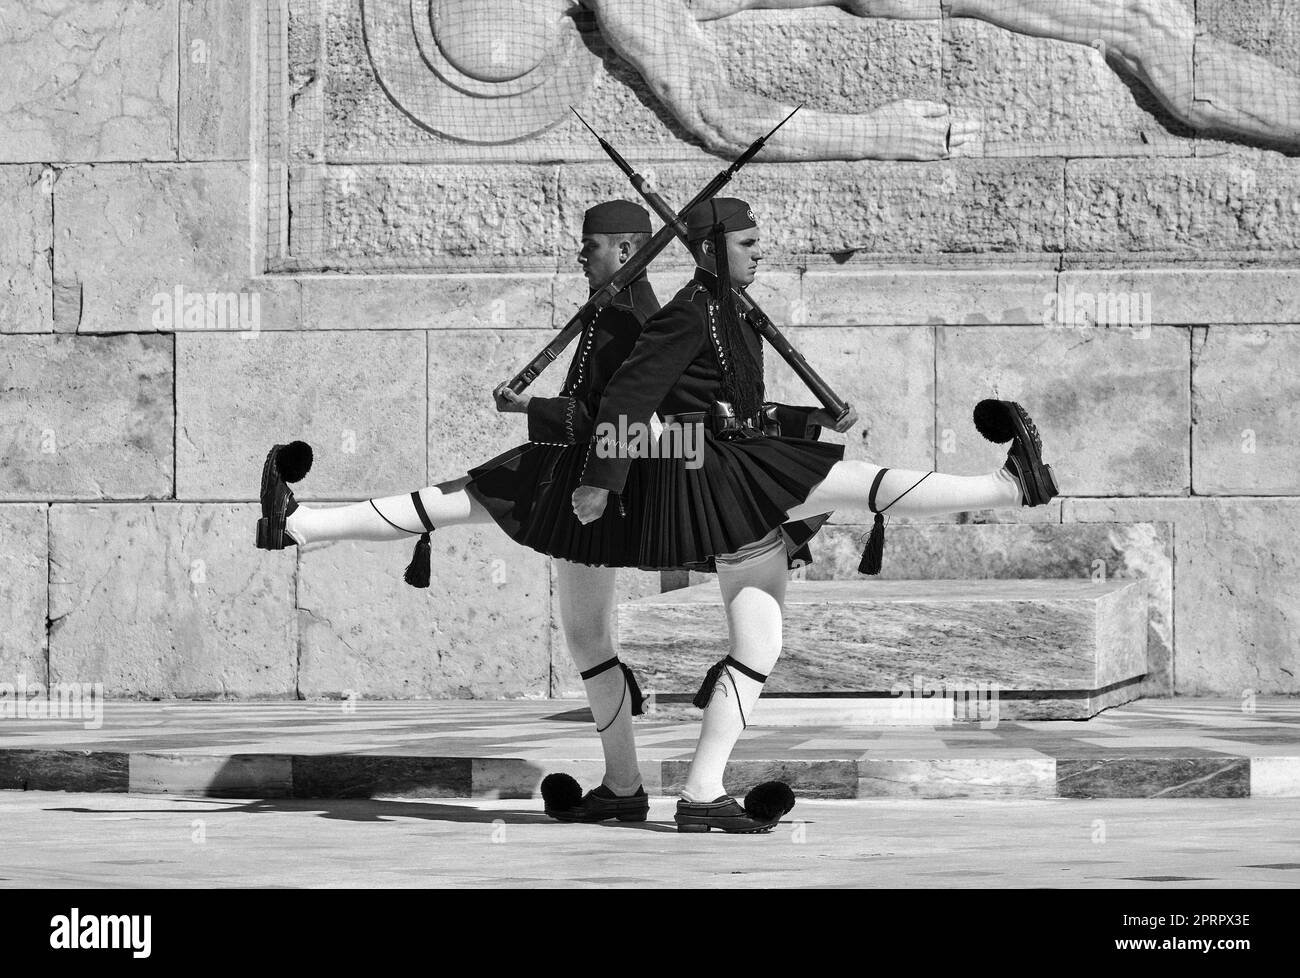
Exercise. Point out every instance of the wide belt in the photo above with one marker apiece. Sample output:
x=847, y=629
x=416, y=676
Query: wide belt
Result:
x=691, y=417
x=723, y=423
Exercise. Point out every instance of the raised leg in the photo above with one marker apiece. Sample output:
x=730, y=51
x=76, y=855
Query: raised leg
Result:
x=387, y=518
x=903, y=492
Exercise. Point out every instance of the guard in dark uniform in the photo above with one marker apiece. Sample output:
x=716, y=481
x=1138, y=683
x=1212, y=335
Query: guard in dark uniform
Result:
x=697, y=363
x=526, y=492
x=527, y=489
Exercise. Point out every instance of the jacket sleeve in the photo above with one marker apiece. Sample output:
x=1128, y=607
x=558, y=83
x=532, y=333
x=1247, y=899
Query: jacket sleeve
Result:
x=669, y=342
x=558, y=421
x=555, y=420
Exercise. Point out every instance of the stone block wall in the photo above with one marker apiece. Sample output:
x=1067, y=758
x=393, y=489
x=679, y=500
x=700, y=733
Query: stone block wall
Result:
x=167, y=149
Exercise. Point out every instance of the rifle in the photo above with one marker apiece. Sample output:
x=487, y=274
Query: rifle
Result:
x=761, y=322
x=626, y=275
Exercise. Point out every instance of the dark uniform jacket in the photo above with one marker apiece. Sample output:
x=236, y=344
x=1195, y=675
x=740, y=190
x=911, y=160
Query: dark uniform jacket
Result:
x=569, y=418
x=674, y=369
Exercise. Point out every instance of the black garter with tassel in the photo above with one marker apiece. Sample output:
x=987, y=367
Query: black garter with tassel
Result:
x=419, y=569
x=714, y=674
x=873, y=554
x=638, y=700
x=875, y=549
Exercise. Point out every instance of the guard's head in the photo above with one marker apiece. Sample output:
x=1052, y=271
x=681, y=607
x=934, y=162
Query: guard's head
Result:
x=611, y=234
x=723, y=233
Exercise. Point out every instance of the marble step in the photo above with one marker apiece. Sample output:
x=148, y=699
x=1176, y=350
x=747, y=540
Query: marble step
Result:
x=1168, y=749
x=842, y=711
x=1014, y=649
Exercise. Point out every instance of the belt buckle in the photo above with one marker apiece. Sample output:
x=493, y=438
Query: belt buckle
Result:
x=722, y=419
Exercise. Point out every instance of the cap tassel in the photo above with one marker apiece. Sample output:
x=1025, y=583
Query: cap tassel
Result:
x=875, y=550
x=638, y=701
x=418, y=570
x=710, y=681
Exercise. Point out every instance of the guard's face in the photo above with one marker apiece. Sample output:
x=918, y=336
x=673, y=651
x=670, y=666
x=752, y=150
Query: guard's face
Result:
x=744, y=252
x=601, y=256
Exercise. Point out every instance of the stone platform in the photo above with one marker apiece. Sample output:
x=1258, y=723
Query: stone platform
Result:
x=1043, y=649
x=1179, y=748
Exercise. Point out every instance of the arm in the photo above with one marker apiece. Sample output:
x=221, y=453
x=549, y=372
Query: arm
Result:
x=661, y=39
x=670, y=341
x=892, y=9
x=1215, y=87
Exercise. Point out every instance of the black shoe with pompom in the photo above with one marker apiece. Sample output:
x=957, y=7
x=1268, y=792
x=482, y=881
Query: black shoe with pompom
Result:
x=563, y=800
x=763, y=808
x=284, y=464
x=1007, y=421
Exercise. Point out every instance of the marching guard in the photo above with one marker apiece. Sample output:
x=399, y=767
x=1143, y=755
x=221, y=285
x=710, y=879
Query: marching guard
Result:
x=696, y=363
x=526, y=491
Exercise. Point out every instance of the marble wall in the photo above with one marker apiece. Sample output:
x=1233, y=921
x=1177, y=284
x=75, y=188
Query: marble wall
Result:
x=172, y=149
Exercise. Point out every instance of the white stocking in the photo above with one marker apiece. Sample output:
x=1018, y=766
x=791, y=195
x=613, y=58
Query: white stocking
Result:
x=387, y=518
x=753, y=589
x=586, y=597
x=848, y=486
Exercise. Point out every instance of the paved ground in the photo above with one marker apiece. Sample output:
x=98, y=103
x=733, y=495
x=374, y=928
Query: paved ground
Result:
x=115, y=840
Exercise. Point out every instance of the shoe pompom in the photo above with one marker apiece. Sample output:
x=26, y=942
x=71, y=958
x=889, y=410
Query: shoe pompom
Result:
x=769, y=800
x=294, y=461
x=993, y=421
x=560, y=792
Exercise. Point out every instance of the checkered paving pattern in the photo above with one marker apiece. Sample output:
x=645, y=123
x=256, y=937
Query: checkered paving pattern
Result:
x=1151, y=748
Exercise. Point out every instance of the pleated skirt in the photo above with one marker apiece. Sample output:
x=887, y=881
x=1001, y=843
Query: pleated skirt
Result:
x=669, y=516
x=528, y=492
x=741, y=492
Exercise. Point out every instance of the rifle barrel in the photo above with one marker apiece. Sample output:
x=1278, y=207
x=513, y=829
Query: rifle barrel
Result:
x=761, y=321
x=626, y=275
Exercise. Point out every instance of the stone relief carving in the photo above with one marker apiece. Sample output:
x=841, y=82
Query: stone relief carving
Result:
x=482, y=71
x=499, y=71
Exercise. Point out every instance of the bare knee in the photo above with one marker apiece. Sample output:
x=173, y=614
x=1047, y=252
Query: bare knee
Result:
x=765, y=651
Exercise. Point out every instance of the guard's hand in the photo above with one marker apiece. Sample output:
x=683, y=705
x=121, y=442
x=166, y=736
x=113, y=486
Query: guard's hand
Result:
x=508, y=402
x=589, y=503
x=827, y=420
